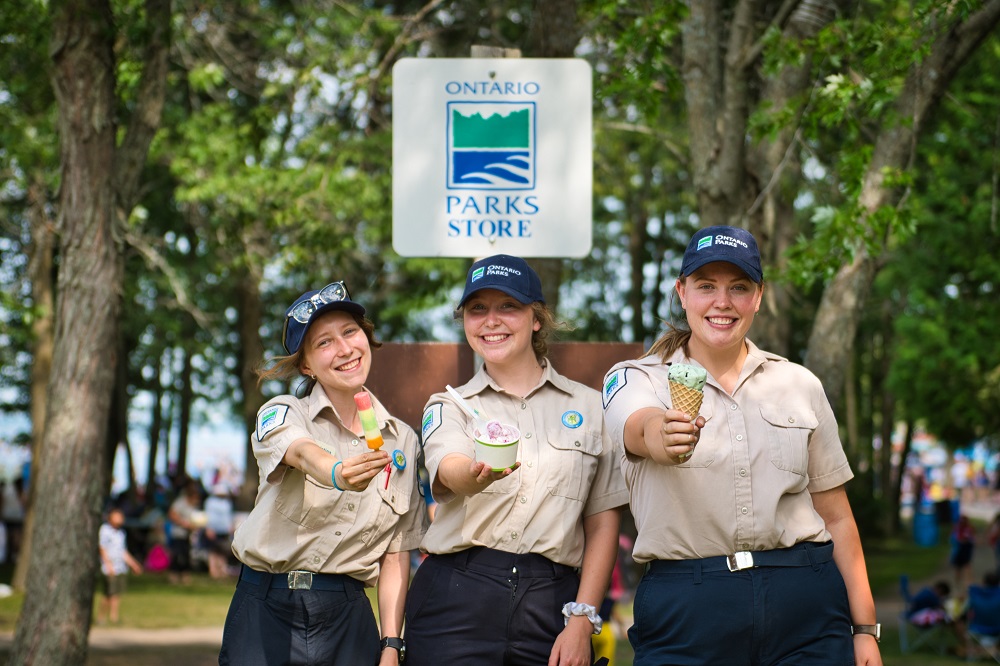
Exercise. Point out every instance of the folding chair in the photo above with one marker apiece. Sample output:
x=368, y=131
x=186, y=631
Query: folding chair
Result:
x=913, y=636
x=983, y=631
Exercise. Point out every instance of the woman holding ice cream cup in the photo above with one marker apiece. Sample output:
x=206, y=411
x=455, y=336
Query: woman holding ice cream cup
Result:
x=519, y=558
x=338, y=508
x=753, y=555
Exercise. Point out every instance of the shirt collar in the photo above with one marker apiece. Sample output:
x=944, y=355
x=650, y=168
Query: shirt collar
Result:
x=482, y=380
x=317, y=401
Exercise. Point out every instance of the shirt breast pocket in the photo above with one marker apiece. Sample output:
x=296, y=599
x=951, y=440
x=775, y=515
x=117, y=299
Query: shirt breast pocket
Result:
x=303, y=501
x=394, y=502
x=788, y=432
x=572, y=459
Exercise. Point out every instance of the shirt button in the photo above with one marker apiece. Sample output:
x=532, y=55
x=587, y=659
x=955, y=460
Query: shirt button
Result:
x=531, y=464
x=745, y=546
x=316, y=559
x=527, y=435
x=524, y=405
x=576, y=444
x=743, y=471
x=523, y=499
x=354, y=443
x=337, y=532
x=744, y=511
x=733, y=407
x=513, y=535
x=739, y=438
x=351, y=506
x=791, y=419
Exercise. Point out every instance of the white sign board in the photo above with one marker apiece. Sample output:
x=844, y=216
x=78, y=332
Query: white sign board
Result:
x=492, y=156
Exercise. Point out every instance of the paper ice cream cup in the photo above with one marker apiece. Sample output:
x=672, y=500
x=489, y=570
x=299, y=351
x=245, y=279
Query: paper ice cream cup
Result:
x=498, y=455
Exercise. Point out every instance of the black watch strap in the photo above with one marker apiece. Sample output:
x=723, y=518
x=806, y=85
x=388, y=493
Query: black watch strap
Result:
x=396, y=643
x=870, y=629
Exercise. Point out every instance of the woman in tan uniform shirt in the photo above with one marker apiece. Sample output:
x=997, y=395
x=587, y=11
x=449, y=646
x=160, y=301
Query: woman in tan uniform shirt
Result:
x=331, y=516
x=752, y=550
x=500, y=585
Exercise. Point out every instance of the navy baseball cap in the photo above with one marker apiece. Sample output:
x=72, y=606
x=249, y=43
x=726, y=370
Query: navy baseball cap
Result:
x=730, y=244
x=309, y=306
x=511, y=275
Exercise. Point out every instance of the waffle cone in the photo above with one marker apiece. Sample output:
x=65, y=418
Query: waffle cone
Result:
x=685, y=398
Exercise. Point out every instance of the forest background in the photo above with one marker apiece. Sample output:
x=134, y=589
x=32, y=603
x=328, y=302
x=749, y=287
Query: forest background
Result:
x=174, y=174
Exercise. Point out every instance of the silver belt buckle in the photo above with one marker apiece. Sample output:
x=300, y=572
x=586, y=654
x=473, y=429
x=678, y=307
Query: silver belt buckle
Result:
x=300, y=580
x=740, y=560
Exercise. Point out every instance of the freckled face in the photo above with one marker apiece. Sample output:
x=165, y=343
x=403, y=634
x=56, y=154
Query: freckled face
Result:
x=337, y=351
x=499, y=327
x=720, y=301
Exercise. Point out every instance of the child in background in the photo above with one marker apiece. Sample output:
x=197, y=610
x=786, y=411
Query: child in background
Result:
x=115, y=563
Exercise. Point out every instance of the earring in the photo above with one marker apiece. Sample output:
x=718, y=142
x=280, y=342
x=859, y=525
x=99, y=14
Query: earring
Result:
x=313, y=377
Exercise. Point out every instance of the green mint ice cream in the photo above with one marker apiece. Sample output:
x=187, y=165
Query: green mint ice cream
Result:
x=688, y=375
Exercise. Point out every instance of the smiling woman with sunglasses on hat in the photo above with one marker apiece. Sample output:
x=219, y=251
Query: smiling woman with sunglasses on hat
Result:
x=518, y=558
x=753, y=556
x=331, y=516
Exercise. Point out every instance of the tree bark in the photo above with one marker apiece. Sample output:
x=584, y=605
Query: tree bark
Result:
x=41, y=274
x=832, y=338
x=54, y=621
x=70, y=473
x=250, y=313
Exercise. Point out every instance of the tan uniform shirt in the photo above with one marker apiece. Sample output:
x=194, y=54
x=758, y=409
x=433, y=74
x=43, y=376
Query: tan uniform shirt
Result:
x=568, y=470
x=747, y=486
x=302, y=523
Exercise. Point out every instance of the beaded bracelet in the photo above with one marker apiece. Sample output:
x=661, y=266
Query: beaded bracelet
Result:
x=333, y=475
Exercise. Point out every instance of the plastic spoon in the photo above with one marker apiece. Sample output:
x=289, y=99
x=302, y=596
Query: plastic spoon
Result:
x=478, y=419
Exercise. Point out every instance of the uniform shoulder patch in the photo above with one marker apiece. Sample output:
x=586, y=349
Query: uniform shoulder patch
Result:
x=270, y=418
x=612, y=384
x=431, y=421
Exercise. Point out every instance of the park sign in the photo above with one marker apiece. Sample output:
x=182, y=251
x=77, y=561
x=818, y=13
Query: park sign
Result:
x=492, y=156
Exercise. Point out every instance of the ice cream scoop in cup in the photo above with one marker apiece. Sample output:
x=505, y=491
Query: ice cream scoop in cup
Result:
x=497, y=446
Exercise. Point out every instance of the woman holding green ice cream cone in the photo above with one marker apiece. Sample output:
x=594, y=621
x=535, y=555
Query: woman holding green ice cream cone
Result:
x=753, y=555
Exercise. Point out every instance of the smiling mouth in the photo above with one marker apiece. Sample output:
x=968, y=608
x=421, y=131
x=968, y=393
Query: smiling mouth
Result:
x=721, y=321
x=350, y=365
x=495, y=337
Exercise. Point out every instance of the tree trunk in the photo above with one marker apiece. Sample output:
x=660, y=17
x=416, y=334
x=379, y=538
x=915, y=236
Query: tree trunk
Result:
x=250, y=313
x=186, y=399
x=155, y=428
x=98, y=187
x=554, y=33
x=776, y=167
x=70, y=472
x=832, y=339
x=41, y=274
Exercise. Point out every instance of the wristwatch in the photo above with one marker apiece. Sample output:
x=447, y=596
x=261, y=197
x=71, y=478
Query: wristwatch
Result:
x=870, y=629
x=398, y=644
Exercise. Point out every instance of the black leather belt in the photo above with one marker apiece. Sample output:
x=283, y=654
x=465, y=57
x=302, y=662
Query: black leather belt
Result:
x=800, y=555
x=300, y=580
x=489, y=560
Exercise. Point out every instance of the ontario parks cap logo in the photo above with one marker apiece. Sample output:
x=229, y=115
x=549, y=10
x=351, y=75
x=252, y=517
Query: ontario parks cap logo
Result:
x=704, y=242
x=491, y=145
x=478, y=273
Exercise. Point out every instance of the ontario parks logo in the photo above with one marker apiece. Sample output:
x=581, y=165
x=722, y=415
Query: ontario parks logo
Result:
x=491, y=145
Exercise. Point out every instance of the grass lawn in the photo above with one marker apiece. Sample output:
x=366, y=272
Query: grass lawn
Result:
x=152, y=602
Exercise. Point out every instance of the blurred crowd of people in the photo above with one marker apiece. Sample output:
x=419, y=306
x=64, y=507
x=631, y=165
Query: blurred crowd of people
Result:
x=186, y=526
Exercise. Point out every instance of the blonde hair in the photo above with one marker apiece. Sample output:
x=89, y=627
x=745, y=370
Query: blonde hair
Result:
x=287, y=368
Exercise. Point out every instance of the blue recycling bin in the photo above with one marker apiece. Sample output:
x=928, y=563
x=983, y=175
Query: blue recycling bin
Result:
x=925, y=527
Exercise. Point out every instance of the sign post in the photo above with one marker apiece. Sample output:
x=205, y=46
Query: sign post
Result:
x=492, y=156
